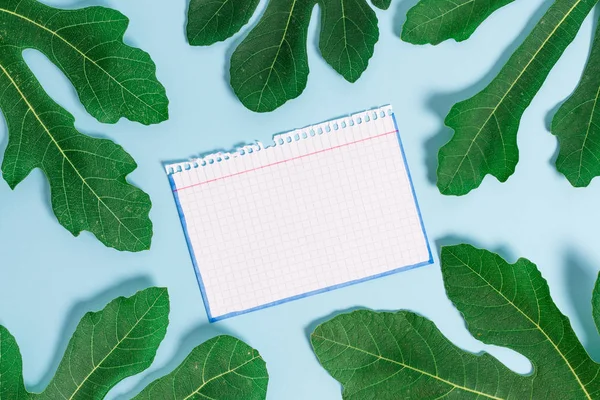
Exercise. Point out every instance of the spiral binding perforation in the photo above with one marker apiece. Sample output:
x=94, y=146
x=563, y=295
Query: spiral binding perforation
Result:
x=298, y=135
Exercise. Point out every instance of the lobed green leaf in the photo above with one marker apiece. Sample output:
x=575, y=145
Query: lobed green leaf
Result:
x=388, y=356
x=577, y=125
x=270, y=66
x=383, y=355
x=87, y=176
x=485, y=137
x=510, y=305
x=120, y=341
x=110, y=345
x=113, y=80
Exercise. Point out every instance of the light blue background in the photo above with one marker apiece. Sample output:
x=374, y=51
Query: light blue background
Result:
x=49, y=279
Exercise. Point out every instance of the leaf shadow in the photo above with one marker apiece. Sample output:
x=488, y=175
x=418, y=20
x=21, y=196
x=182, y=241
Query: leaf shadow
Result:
x=509, y=357
x=235, y=42
x=441, y=103
x=550, y=115
x=3, y=135
x=452, y=239
x=548, y=123
x=186, y=21
x=400, y=15
x=580, y=276
x=95, y=303
x=318, y=12
x=190, y=341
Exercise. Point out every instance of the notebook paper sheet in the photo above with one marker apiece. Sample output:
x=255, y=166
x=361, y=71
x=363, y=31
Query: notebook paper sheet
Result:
x=322, y=207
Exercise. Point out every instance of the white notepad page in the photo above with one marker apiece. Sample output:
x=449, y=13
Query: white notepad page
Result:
x=322, y=207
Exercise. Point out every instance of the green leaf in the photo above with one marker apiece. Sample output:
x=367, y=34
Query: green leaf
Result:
x=87, y=176
x=270, y=66
x=113, y=80
x=122, y=340
x=221, y=368
x=433, y=21
x=382, y=4
x=11, y=368
x=403, y=355
x=388, y=356
x=348, y=36
x=510, y=305
x=110, y=345
x=211, y=21
x=485, y=138
x=577, y=125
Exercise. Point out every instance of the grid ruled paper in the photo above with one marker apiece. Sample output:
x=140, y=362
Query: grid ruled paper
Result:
x=324, y=206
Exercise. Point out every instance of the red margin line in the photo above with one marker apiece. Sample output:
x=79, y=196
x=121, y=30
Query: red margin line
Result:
x=284, y=161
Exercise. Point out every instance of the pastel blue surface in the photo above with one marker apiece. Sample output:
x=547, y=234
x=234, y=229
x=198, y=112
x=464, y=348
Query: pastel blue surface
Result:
x=49, y=279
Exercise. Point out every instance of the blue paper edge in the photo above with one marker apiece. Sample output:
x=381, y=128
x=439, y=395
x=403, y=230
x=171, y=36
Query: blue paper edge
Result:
x=190, y=248
x=314, y=292
x=412, y=188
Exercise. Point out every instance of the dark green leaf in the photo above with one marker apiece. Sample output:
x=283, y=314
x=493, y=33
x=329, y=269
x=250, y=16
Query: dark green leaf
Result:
x=210, y=21
x=382, y=4
x=403, y=355
x=110, y=345
x=485, y=138
x=122, y=340
x=87, y=176
x=221, y=368
x=270, y=66
x=510, y=305
x=113, y=80
x=433, y=21
x=389, y=356
x=11, y=368
x=577, y=125
x=348, y=36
